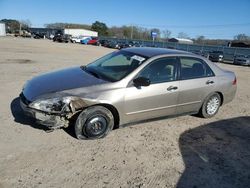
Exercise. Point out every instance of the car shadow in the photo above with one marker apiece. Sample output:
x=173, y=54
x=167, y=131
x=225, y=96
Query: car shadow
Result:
x=21, y=118
x=217, y=154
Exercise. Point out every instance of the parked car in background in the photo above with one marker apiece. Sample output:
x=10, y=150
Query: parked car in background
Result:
x=201, y=53
x=93, y=41
x=205, y=54
x=51, y=36
x=152, y=45
x=77, y=39
x=242, y=60
x=216, y=56
x=113, y=44
x=129, y=85
x=129, y=44
x=62, y=38
x=138, y=44
x=38, y=36
x=85, y=40
x=23, y=33
x=103, y=42
x=134, y=44
x=124, y=45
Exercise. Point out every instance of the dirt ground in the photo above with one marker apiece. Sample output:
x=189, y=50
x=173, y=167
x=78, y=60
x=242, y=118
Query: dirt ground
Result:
x=185, y=151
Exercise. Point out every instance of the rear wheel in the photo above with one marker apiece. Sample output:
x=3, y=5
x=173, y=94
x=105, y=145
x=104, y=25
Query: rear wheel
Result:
x=210, y=106
x=94, y=122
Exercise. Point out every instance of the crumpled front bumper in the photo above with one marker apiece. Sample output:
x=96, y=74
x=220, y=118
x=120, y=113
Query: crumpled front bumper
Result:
x=51, y=121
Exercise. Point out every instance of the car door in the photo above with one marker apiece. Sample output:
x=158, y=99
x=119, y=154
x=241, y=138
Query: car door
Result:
x=157, y=99
x=197, y=81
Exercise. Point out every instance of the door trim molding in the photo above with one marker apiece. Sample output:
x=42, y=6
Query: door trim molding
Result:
x=161, y=108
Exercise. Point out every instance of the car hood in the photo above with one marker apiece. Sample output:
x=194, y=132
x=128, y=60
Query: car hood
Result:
x=53, y=82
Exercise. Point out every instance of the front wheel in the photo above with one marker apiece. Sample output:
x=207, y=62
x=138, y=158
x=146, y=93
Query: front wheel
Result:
x=94, y=122
x=210, y=106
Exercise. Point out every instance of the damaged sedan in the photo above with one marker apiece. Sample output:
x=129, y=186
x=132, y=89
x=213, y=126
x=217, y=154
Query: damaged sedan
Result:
x=126, y=86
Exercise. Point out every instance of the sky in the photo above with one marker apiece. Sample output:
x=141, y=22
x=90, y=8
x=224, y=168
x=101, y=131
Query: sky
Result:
x=215, y=19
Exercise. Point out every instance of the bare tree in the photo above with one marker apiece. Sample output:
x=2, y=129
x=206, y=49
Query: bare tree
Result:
x=11, y=25
x=242, y=37
x=183, y=35
x=25, y=24
x=116, y=32
x=67, y=25
x=200, y=39
x=166, y=33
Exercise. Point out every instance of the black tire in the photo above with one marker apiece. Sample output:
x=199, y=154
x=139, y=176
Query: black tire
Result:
x=205, y=112
x=94, y=122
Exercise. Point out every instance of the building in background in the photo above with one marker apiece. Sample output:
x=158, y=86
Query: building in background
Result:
x=72, y=32
x=47, y=32
x=181, y=41
x=2, y=29
x=80, y=32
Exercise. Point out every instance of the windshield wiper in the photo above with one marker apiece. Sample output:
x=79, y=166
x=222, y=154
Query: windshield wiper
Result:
x=97, y=75
x=93, y=73
x=90, y=72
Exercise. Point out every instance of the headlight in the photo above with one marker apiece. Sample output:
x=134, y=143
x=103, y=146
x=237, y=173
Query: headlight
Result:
x=54, y=105
x=220, y=56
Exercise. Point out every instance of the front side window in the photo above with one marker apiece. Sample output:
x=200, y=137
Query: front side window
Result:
x=194, y=68
x=160, y=70
x=115, y=66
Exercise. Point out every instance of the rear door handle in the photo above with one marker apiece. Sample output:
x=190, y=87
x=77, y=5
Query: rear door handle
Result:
x=170, y=88
x=209, y=82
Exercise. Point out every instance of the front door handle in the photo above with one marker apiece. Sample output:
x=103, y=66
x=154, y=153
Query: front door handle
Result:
x=209, y=82
x=170, y=88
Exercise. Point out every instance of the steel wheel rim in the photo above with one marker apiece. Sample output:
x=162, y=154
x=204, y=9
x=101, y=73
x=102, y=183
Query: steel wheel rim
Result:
x=213, y=105
x=96, y=126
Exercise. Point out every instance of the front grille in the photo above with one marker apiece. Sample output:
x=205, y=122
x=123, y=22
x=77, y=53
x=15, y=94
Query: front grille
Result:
x=24, y=100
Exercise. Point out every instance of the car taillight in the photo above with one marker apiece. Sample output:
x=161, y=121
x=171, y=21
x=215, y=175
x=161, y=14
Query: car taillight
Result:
x=235, y=81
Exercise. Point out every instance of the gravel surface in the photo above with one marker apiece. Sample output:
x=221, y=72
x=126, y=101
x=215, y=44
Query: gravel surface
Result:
x=185, y=151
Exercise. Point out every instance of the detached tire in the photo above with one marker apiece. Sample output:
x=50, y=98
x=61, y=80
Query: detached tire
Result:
x=210, y=106
x=94, y=122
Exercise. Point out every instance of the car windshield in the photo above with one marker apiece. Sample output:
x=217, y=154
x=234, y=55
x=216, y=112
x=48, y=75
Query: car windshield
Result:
x=115, y=66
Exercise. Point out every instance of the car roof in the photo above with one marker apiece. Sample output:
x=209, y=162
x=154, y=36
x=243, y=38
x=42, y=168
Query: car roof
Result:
x=151, y=52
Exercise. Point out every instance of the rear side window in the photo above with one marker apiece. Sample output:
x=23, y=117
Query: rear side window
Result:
x=160, y=70
x=194, y=68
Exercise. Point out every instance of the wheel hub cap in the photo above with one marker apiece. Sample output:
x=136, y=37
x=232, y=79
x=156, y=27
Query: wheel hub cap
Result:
x=213, y=105
x=96, y=126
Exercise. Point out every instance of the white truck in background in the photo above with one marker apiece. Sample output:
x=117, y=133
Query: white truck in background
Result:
x=80, y=32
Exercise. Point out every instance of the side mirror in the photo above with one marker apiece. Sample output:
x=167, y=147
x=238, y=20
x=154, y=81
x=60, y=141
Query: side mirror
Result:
x=141, y=81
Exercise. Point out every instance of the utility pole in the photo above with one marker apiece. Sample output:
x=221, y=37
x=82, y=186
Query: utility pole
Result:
x=20, y=28
x=132, y=30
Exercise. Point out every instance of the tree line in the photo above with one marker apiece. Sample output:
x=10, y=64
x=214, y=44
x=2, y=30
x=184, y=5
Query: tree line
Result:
x=125, y=31
x=13, y=26
x=114, y=31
